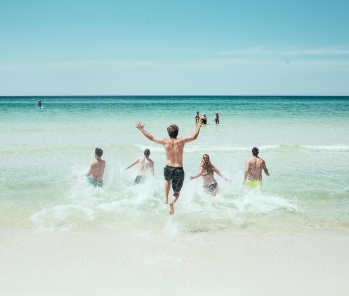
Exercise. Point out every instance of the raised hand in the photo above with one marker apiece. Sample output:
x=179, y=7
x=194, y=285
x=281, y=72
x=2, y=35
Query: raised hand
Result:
x=139, y=125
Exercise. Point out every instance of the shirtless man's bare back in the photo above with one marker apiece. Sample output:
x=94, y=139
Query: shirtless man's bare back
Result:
x=144, y=164
x=96, y=170
x=173, y=172
x=254, y=167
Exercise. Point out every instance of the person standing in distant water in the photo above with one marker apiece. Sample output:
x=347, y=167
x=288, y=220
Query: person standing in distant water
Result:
x=207, y=169
x=253, y=171
x=39, y=103
x=216, y=120
x=197, y=117
x=145, y=164
x=96, y=170
x=173, y=172
x=203, y=118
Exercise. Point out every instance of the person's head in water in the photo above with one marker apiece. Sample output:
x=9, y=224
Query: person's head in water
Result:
x=146, y=152
x=197, y=112
x=98, y=152
x=255, y=151
x=173, y=131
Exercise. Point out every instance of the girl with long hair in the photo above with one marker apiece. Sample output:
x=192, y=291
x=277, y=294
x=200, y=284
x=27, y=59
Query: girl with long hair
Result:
x=207, y=169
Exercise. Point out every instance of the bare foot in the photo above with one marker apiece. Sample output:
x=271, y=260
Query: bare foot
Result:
x=171, y=208
x=166, y=200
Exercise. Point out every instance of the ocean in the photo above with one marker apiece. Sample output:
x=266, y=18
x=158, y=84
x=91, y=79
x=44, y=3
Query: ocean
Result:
x=304, y=141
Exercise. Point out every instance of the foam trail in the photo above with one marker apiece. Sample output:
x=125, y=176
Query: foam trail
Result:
x=172, y=228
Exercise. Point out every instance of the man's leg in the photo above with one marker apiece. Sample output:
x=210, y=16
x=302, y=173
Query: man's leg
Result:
x=167, y=190
x=174, y=199
x=177, y=184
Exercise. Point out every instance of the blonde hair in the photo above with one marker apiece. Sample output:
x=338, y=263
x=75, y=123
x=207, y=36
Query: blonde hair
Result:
x=206, y=164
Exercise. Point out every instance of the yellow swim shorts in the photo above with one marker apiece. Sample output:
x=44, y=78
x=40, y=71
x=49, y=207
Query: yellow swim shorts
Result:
x=253, y=183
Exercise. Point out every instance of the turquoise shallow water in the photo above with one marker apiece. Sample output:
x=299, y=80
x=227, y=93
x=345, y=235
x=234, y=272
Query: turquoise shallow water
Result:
x=304, y=141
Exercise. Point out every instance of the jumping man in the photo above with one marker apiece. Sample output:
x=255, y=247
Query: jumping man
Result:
x=173, y=172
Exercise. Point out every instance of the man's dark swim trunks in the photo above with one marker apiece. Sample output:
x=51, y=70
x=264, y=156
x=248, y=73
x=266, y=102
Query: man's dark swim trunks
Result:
x=176, y=174
x=140, y=179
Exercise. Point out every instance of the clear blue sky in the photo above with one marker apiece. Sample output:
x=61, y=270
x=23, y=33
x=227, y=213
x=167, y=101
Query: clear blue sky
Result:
x=298, y=47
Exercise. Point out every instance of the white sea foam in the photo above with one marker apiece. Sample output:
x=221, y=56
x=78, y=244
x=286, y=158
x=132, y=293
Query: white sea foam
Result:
x=193, y=148
x=334, y=148
x=173, y=228
x=62, y=217
x=115, y=207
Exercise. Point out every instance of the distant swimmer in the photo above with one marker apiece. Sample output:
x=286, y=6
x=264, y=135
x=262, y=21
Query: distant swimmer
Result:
x=203, y=118
x=197, y=117
x=173, y=172
x=39, y=103
x=96, y=170
x=207, y=169
x=216, y=120
x=144, y=164
x=253, y=171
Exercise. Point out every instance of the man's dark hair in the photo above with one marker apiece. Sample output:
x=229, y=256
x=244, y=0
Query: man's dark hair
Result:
x=173, y=131
x=255, y=151
x=146, y=152
x=99, y=152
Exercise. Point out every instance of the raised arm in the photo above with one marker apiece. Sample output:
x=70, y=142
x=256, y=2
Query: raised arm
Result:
x=194, y=135
x=220, y=174
x=149, y=136
x=198, y=174
x=132, y=164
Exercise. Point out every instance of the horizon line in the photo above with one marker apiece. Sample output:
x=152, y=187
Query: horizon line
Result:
x=35, y=96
